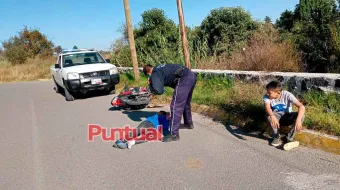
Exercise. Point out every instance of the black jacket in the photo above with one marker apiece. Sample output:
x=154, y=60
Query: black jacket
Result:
x=165, y=75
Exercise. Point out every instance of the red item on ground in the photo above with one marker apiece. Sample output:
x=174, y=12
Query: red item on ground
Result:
x=133, y=98
x=126, y=93
x=116, y=102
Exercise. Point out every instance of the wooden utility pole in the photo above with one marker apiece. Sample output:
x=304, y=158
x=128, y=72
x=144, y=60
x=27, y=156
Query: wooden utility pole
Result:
x=131, y=39
x=183, y=34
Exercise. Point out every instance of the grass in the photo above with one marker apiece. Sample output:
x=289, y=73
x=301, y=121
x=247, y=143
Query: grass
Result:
x=323, y=111
x=243, y=103
x=264, y=52
x=34, y=69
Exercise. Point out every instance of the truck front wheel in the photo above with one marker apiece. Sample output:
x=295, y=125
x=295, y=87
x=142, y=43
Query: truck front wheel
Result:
x=112, y=90
x=68, y=94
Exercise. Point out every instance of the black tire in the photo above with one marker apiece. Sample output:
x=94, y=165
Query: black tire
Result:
x=57, y=88
x=137, y=102
x=112, y=90
x=68, y=95
x=137, y=107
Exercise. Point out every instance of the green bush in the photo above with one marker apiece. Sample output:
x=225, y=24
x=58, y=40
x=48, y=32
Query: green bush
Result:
x=227, y=29
x=27, y=44
x=313, y=27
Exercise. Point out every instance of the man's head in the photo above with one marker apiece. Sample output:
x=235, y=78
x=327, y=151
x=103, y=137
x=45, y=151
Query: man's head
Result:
x=274, y=89
x=147, y=69
x=167, y=114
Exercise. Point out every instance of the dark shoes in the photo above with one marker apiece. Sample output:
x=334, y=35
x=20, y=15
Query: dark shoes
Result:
x=170, y=138
x=275, y=142
x=189, y=126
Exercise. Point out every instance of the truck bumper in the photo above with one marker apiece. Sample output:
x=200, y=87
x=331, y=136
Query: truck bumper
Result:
x=86, y=84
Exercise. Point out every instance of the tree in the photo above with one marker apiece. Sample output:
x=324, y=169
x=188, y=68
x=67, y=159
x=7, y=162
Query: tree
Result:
x=1, y=54
x=227, y=29
x=312, y=33
x=28, y=44
x=121, y=53
x=286, y=21
x=318, y=11
x=124, y=31
x=157, y=38
x=75, y=47
x=267, y=19
x=334, y=60
x=58, y=49
x=157, y=41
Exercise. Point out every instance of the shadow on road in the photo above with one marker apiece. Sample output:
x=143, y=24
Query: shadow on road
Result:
x=139, y=115
x=116, y=109
x=241, y=133
x=134, y=114
x=90, y=94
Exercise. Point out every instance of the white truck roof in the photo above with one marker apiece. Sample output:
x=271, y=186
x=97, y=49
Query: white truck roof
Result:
x=75, y=51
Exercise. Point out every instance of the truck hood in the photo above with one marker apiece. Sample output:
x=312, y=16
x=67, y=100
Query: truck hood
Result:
x=89, y=68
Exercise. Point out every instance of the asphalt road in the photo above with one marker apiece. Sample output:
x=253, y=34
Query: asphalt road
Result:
x=43, y=144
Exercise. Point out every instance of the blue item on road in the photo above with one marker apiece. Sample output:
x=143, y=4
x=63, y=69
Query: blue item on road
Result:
x=154, y=120
x=164, y=122
x=121, y=144
x=158, y=120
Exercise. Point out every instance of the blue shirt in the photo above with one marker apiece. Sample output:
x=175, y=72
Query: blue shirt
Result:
x=164, y=122
x=157, y=120
x=154, y=120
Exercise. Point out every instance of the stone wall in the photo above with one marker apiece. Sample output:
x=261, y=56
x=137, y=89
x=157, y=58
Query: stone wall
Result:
x=296, y=82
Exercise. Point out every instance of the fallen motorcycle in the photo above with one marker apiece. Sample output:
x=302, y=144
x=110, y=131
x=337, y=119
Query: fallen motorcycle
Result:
x=132, y=98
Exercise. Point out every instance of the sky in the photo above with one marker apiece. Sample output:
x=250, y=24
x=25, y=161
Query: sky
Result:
x=95, y=24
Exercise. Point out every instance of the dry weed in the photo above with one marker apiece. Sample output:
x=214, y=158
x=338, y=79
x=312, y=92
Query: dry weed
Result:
x=34, y=69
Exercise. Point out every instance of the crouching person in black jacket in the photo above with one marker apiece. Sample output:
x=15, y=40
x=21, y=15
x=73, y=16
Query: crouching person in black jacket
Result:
x=183, y=81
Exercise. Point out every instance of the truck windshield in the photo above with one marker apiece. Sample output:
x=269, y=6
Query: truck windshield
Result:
x=82, y=59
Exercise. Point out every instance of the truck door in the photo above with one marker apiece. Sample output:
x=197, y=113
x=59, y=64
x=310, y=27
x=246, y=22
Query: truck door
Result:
x=58, y=72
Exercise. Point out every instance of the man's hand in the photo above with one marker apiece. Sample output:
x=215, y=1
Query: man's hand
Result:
x=298, y=125
x=274, y=122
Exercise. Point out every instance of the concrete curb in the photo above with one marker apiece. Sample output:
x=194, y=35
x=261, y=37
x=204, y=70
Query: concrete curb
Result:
x=308, y=138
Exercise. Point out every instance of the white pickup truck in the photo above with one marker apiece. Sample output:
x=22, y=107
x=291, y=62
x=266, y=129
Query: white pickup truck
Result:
x=81, y=71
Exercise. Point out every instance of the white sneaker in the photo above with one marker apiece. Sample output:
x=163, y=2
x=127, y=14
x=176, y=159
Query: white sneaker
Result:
x=291, y=145
x=130, y=143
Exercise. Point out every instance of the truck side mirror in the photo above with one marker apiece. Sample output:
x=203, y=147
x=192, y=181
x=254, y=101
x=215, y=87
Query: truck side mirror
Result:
x=108, y=60
x=57, y=66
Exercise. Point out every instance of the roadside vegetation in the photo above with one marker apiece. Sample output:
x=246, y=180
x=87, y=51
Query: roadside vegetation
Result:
x=33, y=69
x=306, y=39
x=245, y=109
